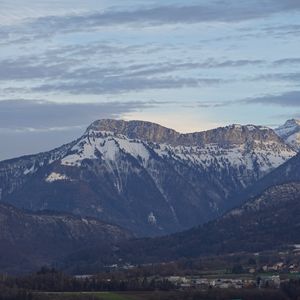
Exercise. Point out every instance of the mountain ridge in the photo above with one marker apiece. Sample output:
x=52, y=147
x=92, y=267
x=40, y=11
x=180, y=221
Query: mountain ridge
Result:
x=141, y=185
x=153, y=132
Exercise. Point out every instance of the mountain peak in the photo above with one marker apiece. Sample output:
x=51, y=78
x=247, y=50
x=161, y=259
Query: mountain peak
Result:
x=290, y=132
x=136, y=129
x=292, y=122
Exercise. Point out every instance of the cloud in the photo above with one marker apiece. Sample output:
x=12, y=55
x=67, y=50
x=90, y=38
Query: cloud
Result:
x=220, y=11
x=289, y=77
x=209, y=63
x=282, y=31
x=52, y=65
x=213, y=104
x=287, y=61
x=61, y=61
x=115, y=85
x=21, y=115
x=204, y=12
x=65, y=74
x=291, y=99
x=22, y=69
x=74, y=70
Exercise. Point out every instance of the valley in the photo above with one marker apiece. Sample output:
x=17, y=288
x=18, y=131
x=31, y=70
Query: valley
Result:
x=103, y=204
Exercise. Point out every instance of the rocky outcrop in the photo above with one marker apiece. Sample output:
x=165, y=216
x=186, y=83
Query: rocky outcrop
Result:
x=151, y=132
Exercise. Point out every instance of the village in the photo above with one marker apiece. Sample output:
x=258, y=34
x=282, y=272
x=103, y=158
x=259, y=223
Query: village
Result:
x=273, y=281
x=266, y=276
x=256, y=276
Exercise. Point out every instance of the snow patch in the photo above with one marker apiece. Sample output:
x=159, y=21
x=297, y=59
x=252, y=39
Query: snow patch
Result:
x=29, y=171
x=56, y=177
x=251, y=127
x=152, y=219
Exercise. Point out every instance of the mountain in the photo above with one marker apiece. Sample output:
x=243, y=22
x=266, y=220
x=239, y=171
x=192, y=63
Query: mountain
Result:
x=31, y=240
x=287, y=172
x=290, y=132
x=144, y=177
x=270, y=221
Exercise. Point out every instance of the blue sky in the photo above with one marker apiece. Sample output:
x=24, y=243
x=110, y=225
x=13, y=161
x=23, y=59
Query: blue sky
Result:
x=189, y=65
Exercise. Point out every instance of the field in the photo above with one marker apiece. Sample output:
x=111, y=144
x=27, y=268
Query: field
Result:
x=246, y=294
x=94, y=296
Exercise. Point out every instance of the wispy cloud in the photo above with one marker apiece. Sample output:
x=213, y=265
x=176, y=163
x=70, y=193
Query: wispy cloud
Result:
x=288, y=77
x=282, y=31
x=287, y=61
x=77, y=76
x=211, y=11
x=117, y=85
x=285, y=99
x=213, y=104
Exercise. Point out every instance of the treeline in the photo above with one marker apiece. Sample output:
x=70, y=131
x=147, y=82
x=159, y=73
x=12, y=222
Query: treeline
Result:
x=35, y=286
x=51, y=280
x=14, y=293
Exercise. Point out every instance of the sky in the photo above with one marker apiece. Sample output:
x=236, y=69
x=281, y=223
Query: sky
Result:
x=188, y=65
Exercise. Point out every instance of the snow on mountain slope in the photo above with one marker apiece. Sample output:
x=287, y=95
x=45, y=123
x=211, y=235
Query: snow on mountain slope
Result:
x=56, y=176
x=124, y=172
x=290, y=132
x=264, y=155
x=104, y=145
x=15, y=172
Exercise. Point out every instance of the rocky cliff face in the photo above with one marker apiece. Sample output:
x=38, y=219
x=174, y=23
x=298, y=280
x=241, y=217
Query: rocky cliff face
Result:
x=31, y=240
x=145, y=177
x=151, y=132
x=141, y=130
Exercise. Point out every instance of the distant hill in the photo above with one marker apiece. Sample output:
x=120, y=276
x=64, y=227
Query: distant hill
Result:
x=31, y=240
x=269, y=221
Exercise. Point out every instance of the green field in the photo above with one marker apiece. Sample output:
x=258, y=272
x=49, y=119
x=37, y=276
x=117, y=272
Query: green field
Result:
x=92, y=296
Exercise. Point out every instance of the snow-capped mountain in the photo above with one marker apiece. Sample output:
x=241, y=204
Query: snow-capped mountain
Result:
x=145, y=177
x=290, y=132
